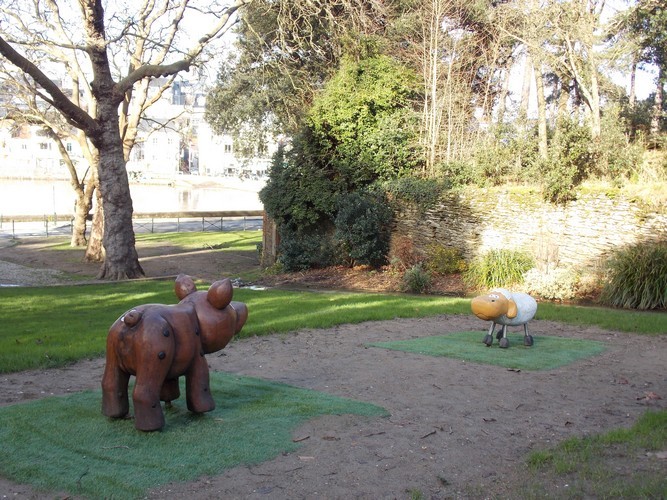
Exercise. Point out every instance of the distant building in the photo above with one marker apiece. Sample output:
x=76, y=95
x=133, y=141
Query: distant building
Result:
x=173, y=139
x=25, y=152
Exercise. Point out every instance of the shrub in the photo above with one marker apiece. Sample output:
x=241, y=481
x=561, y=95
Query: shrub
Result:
x=637, y=277
x=456, y=173
x=363, y=228
x=494, y=162
x=572, y=157
x=300, y=250
x=417, y=279
x=619, y=158
x=558, y=284
x=444, y=260
x=403, y=253
x=498, y=268
x=421, y=192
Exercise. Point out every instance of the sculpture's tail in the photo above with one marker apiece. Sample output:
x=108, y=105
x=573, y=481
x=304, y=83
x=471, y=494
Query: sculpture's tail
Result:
x=132, y=317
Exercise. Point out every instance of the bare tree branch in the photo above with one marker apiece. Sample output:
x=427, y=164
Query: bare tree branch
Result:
x=74, y=114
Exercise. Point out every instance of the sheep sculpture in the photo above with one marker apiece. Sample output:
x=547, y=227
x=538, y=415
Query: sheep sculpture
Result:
x=502, y=307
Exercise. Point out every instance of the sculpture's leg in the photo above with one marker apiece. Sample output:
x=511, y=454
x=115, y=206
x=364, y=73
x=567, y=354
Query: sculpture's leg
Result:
x=197, y=387
x=170, y=390
x=527, y=339
x=115, y=402
x=153, y=365
x=488, y=338
x=148, y=414
x=504, y=341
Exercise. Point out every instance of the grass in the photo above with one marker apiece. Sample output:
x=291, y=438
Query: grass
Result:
x=222, y=240
x=622, y=320
x=53, y=326
x=93, y=456
x=591, y=466
x=547, y=353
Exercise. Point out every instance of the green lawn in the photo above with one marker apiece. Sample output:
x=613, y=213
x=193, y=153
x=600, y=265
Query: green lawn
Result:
x=53, y=326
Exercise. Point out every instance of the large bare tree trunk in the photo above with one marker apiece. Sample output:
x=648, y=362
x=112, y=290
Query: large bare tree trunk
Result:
x=121, y=260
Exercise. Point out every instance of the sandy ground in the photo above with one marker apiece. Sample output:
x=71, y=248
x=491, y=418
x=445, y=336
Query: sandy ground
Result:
x=455, y=430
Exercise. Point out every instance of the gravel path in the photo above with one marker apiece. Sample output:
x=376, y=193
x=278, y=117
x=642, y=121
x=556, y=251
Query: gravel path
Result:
x=17, y=275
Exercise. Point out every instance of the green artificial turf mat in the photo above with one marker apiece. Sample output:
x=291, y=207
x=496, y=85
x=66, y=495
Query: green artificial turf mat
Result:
x=66, y=444
x=546, y=353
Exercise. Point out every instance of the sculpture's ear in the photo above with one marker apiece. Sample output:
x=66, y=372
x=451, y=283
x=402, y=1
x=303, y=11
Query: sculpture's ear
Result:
x=184, y=286
x=511, y=309
x=220, y=293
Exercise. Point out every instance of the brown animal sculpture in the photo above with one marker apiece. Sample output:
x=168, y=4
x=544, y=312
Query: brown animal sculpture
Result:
x=158, y=343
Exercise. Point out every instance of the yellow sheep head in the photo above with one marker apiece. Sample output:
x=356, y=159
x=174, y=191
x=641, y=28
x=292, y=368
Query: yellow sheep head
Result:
x=493, y=305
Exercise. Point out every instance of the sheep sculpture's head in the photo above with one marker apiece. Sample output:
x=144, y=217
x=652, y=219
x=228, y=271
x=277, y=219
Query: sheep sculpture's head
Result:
x=493, y=305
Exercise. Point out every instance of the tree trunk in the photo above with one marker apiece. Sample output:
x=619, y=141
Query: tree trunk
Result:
x=121, y=260
x=525, y=91
x=563, y=98
x=120, y=256
x=632, y=98
x=82, y=206
x=95, y=249
x=596, y=126
x=502, y=99
x=541, y=116
x=656, y=113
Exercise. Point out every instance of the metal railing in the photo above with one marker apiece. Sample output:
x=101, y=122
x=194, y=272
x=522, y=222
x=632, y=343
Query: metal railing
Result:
x=49, y=224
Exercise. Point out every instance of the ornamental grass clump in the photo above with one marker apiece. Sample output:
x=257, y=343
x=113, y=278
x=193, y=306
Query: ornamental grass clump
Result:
x=637, y=277
x=417, y=279
x=498, y=268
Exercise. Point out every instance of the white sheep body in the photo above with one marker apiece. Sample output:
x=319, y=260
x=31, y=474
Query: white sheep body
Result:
x=525, y=304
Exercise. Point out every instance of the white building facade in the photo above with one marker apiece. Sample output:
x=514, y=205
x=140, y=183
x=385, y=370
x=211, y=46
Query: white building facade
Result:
x=173, y=140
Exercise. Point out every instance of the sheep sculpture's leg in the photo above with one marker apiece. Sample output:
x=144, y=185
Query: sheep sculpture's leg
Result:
x=488, y=338
x=527, y=338
x=502, y=335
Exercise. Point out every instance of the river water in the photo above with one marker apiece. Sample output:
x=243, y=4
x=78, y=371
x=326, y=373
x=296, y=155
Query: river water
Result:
x=187, y=193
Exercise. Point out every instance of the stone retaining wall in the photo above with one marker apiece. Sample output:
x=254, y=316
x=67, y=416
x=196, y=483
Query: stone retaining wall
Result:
x=579, y=234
